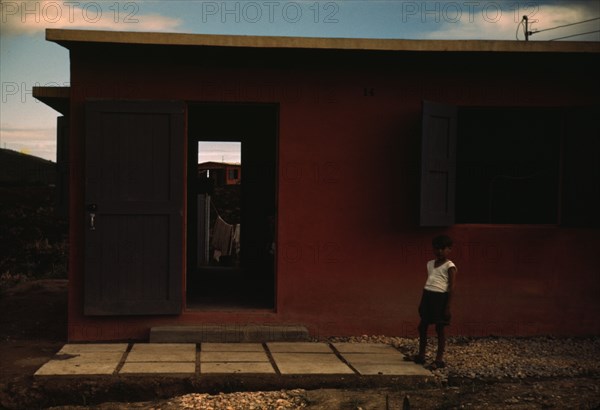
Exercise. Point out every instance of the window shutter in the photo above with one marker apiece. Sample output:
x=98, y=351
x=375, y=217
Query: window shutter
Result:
x=438, y=164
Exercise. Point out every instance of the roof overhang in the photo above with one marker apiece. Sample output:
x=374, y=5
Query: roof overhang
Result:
x=68, y=38
x=55, y=97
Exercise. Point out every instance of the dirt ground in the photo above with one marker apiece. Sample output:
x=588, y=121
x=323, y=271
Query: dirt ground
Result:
x=33, y=328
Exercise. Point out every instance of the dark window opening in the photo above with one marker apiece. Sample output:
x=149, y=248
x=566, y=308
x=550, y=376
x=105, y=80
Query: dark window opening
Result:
x=581, y=167
x=234, y=174
x=508, y=166
x=231, y=223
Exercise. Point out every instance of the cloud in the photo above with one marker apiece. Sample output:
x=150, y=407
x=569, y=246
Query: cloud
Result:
x=40, y=142
x=551, y=17
x=501, y=21
x=214, y=151
x=32, y=17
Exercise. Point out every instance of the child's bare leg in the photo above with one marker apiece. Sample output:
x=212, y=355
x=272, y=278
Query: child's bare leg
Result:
x=441, y=347
x=422, y=339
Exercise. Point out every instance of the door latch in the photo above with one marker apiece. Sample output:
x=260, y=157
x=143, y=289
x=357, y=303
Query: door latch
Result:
x=92, y=208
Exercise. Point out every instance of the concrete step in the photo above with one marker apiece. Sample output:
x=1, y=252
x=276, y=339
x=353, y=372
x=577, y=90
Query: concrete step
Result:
x=228, y=333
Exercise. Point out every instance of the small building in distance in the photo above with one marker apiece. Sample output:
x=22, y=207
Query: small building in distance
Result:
x=221, y=173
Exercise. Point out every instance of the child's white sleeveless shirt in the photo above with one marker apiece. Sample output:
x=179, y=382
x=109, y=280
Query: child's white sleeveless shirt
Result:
x=437, y=278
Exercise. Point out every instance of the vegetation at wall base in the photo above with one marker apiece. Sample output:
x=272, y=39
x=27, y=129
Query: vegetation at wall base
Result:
x=33, y=239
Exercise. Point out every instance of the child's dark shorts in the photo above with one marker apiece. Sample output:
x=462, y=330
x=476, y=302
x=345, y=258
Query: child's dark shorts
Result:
x=433, y=307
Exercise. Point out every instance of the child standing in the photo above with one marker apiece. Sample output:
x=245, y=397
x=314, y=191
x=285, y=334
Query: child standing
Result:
x=435, y=302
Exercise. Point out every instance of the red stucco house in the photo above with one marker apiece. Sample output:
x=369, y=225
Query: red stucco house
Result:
x=221, y=173
x=356, y=153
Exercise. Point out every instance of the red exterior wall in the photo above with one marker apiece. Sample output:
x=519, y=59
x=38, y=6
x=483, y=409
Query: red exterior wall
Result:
x=351, y=256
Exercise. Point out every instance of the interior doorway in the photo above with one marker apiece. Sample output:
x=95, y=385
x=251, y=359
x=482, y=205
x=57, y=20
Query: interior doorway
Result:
x=232, y=213
x=219, y=203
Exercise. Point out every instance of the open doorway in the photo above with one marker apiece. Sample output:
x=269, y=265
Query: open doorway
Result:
x=232, y=152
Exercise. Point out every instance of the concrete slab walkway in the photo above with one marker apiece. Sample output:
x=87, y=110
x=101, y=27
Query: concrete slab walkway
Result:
x=190, y=359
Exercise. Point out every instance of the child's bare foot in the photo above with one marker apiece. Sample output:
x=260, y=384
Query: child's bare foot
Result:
x=418, y=359
x=437, y=364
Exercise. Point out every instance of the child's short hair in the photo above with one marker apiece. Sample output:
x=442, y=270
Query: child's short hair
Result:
x=441, y=242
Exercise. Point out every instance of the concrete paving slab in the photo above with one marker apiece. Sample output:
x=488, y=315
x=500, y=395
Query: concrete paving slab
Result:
x=392, y=369
x=299, y=347
x=162, y=352
x=291, y=358
x=364, y=348
x=233, y=357
x=388, y=364
x=80, y=358
x=238, y=367
x=229, y=358
x=93, y=348
x=232, y=347
x=84, y=359
x=66, y=368
x=310, y=363
x=374, y=358
x=158, y=368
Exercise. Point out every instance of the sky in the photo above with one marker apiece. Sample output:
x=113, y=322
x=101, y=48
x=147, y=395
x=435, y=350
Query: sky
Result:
x=27, y=59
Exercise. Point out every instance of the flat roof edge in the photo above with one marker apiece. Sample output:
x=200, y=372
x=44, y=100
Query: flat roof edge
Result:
x=66, y=37
x=51, y=92
x=57, y=98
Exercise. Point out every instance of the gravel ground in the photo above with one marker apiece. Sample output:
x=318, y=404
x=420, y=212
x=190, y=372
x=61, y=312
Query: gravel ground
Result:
x=272, y=400
x=505, y=359
x=512, y=362
x=282, y=400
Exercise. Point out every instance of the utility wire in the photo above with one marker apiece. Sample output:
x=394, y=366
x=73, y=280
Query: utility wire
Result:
x=575, y=35
x=565, y=25
x=518, y=27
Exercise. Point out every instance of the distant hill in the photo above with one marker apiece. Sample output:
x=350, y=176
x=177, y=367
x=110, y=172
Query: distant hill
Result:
x=17, y=168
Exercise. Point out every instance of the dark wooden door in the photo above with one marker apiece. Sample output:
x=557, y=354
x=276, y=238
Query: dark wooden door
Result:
x=438, y=164
x=134, y=165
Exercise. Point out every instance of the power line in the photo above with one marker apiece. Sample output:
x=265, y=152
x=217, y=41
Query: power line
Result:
x=518, y=27
x=575, y=35
x=566, y=25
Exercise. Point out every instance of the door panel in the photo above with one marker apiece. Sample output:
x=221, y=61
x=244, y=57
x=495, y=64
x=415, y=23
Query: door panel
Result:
x=134, y=200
